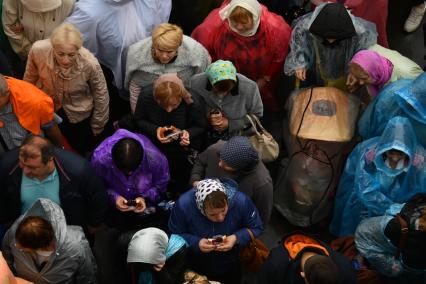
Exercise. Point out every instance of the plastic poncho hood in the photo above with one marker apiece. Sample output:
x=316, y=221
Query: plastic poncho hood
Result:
x=412, y=98
x=398, y=135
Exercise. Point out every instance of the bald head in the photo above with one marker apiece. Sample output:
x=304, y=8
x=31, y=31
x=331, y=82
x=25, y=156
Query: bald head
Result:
x=35, y=142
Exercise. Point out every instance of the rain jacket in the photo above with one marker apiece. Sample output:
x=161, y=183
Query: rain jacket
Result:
x=82, y=93
x=72, y=262
x=369, y=188
x=109, y=27
x=149, y=180
x=187, y=221
x=304, y=47
x=37, y=23
x=256, y=56
x=405, y=98
x=6, y=276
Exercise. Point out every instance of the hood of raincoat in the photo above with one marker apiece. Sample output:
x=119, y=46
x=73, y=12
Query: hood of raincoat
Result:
x=41, y=6
x=412, y=98
x=398, y=135
x=252, y=6
x=332, y=21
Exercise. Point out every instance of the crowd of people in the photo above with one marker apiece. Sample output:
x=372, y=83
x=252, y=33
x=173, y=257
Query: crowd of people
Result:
x=132, y=149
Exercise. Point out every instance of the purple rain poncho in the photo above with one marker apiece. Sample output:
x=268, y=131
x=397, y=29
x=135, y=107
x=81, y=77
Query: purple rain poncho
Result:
x=149, y=180
x=378, y=68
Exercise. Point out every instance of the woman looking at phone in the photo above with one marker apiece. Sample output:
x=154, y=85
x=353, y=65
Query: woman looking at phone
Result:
x=174, y=121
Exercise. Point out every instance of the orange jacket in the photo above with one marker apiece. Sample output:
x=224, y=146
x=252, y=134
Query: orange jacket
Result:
x=32, y=107
x=294, y=244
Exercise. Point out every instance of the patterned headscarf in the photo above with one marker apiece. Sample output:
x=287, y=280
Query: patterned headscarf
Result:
x=221, y=70
x=204, y=188
x=239, y=153
x=378, y=68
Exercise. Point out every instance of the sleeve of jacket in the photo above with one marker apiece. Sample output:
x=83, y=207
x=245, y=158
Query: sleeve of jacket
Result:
x=99, y=169
x=250, y=219
x=100, y=95
x=275, y=267
x=263, y=199
x=178, y=225
x=197, y=120
x=142, y=108
x=253, y=105
x=19, y=42
x=31, y=72
x=160, y=178
x=301, y=52
x=199, y=169
x=96, y=196
x=86, y=273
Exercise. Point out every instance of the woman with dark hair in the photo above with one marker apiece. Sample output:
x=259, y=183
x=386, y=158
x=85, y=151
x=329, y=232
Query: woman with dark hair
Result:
x=41, y=248
x=134, y=171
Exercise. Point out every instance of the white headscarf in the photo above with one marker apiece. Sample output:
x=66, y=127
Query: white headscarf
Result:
x=148, y=246
x=250, y=5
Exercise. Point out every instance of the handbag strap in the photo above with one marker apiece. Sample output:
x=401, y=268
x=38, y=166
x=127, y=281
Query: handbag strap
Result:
x=403, y=237
x=253, y=123
x=251, y=234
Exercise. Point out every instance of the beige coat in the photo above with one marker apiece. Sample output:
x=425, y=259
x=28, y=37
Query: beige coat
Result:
x=80, y=91
x=36, y=25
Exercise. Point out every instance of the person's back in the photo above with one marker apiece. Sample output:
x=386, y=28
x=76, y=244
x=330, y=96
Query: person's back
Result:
x=303, y=259
x=43, y=249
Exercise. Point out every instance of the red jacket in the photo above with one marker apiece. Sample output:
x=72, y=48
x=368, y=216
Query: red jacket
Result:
x=260, y=55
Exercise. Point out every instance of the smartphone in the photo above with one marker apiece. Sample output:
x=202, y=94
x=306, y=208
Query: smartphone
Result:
x=131, y=202
x=216, y=240
x=173, y=135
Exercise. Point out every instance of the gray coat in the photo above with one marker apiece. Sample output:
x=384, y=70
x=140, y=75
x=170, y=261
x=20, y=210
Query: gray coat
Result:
x=72, y=262
x=243, y=99
x=256, y=183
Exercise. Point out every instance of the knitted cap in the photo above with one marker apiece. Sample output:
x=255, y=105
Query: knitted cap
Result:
x=239, y=154
x=221, y=70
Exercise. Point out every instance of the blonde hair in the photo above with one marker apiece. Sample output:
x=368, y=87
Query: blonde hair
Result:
x=167, y=37
x=167, y=91
x=66, y=33
x=241, y=15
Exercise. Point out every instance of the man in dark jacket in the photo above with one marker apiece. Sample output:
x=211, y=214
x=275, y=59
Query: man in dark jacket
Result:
x=301, y=259
x=237, y=159
x=39, y=170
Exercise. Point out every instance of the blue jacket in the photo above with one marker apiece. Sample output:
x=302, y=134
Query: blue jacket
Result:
x=406, y=98
x=369, y=188
x=187, y=221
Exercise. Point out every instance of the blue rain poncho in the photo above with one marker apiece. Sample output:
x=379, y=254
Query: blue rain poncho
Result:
x=406, y=98
x=334, y=60
x=372, y=243
x=369, y=188
x=109, y=27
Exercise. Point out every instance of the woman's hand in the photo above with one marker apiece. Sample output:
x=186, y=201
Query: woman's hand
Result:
x=97, y=130
x=219, y=124
x=352, y=83
x=227, y=244
x=140, y=205
x=301, y=74
x=159, y=266
x=184, y=138
x=206, y=246
x=160, y=132
x=120, y=204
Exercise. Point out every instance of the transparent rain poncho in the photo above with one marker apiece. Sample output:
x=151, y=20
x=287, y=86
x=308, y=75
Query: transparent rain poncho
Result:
x=406, y=98
x=369, y=187
x=333, y=61
x=321, y=124
x=109, y=27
